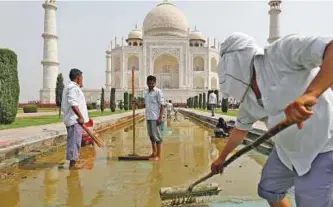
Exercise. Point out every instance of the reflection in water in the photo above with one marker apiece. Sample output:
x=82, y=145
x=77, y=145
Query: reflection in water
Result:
x=51, y=178
x=10, y=196
x=74, y=189
x=188, y=151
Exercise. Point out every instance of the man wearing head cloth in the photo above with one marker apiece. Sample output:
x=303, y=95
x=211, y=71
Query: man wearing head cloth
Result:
x=276, y=84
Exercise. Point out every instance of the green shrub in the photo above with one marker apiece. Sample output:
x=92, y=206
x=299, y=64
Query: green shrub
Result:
x=102, y=100
x=113, y=100
x=9, y=86
x=121, y=105
x=204, y=102
x=130, y=101
x=225, y=105
x=192, y=102
x=126, y=101
x=209, y=92
x=30, y=108
x=196, y=104
x=59, y=89
x=200, y=100
x=90, y=106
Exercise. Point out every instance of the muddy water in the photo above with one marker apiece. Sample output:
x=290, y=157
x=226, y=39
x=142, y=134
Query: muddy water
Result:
x=188, y=151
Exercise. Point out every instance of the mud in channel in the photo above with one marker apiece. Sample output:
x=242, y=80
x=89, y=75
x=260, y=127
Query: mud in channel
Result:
x=188, y=150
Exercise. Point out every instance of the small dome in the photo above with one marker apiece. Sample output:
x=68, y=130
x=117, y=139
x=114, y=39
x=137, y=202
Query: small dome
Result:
x=135, y=34
x=196, y=35
x=165, y=20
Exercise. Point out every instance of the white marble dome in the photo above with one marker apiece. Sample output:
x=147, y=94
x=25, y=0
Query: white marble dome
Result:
x=197, y=35
x=165, y=20
x=135, y=34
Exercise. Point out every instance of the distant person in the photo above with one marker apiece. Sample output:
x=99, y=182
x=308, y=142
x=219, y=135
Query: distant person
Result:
x=221, y=129
x=170, y=108
x=154, y=101
x=212, y=102
x=75, y=111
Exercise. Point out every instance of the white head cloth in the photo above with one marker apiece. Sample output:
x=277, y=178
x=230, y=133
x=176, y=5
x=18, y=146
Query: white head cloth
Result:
x=234, y=68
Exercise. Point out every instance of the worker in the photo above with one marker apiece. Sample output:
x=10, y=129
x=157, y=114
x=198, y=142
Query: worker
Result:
x=75, y=111
x=154, y=102
x=289, y=80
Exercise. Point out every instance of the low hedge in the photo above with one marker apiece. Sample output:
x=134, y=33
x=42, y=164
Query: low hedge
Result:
x=30, y=108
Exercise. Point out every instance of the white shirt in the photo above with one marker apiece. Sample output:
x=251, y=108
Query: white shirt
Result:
x=284, y=72
x=153, y=100
x=73, y=96
x=212, y=98
x=169, y=106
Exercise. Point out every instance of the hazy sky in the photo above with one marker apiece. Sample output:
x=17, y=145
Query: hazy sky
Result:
x=86, y=27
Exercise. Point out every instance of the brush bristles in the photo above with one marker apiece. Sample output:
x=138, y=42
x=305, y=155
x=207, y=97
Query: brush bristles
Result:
x=189, y=201
x=170, y=193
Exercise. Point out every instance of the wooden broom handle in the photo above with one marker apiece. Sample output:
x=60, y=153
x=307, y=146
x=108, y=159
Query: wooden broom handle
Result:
x=263, y=138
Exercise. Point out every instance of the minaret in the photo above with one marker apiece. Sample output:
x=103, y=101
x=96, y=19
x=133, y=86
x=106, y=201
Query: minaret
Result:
x=274, y=25
x=108, y=67
x=50, y=55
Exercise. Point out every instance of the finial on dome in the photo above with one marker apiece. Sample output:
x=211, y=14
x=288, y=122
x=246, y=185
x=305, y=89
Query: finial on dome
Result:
x=195, y=27
x=136, y=26
x=164, y=2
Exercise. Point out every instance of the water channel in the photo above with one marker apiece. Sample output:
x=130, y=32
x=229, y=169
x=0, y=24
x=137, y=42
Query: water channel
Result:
x=188, y=151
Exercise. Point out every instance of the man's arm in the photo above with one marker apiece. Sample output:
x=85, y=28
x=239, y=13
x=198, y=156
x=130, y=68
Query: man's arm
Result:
x=161, y=102
x=324, y=78
x=236, y=138
x=74, y=102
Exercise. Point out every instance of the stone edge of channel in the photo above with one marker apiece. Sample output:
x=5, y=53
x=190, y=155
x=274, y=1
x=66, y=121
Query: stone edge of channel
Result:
x=20, y=153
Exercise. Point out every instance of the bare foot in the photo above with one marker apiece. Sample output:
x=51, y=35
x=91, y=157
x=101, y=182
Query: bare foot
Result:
x=76, y=166
x=152, y=155
x=154, y=158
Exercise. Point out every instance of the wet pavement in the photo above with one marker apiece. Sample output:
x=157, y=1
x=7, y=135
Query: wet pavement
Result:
x=187, y=152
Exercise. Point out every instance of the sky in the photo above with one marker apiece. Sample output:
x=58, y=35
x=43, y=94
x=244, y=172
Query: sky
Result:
x=85, y=28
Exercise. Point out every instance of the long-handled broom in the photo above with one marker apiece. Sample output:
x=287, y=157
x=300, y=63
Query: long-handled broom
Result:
x=133, y=156
x=180, y=195
x=93, y=136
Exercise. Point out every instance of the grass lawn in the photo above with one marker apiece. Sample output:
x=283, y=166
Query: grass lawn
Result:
x=41, y=120
x=219, y=111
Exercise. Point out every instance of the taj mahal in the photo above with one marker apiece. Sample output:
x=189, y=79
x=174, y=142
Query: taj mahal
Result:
x=183, y=60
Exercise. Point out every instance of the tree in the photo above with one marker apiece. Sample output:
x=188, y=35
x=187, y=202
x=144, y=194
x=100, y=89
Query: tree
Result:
x=102, y=100
x=9, y=86
x=113, y=100
x=59, y=89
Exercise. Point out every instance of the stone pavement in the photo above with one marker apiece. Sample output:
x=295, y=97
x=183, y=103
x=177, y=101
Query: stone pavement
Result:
x=12, y=138
x=257, y=130
x=257, y=125
x=42, y=113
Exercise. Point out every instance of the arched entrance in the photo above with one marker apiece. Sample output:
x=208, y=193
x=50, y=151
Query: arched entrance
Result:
x=199, y=82
x=213, y=83
x=166, y=70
